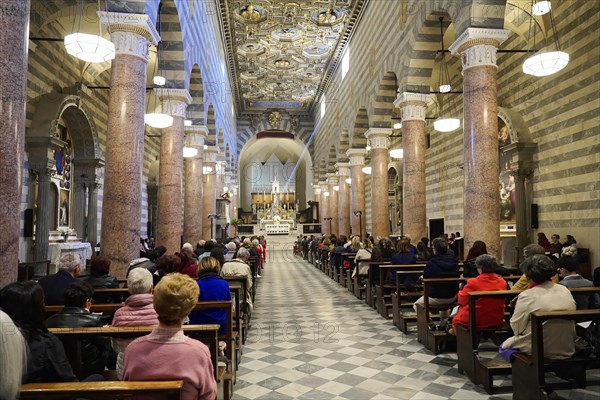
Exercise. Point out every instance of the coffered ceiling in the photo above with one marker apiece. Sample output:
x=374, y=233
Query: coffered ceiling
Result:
x=282, y=53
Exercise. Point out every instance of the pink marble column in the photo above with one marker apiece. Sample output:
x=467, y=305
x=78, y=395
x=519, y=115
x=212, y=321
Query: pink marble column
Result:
x=324, y=201
x=414, y=210
x=209, y=204
x=343, y=199
x=193, y=198
x=14, y=15
x=122, y=200
x=357, y=192
x=332, y=180
x=481, y=199
x=170, y=173
x=380, y=157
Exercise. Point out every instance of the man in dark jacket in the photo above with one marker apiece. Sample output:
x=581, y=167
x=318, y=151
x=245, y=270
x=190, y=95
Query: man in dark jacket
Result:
x=441, y=265
x=76, y=314
x=69, y=267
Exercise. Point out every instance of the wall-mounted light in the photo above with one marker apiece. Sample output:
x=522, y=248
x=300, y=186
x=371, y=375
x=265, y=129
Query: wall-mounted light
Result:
x=367, y=170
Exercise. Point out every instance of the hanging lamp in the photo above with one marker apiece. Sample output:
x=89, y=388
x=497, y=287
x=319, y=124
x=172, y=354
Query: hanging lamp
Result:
x=448, y=124
x=547, y=62
x=87, y=47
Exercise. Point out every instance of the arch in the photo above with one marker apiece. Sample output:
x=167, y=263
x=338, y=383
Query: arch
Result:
x=172, y=56
x=76, y=115
x=383, y=106
x=196, y=89
x=211, y=139
x=343, y=146
x=257, y=151
x=361, y=125
x=220, y=138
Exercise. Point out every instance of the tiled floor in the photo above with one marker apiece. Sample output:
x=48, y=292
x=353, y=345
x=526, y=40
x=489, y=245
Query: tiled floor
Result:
x=311, y=339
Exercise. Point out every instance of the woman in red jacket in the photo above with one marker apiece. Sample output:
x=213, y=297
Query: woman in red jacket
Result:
x=490, y=312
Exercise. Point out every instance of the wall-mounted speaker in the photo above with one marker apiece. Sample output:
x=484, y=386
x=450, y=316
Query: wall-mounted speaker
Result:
x=534, y=216
x=28, y=223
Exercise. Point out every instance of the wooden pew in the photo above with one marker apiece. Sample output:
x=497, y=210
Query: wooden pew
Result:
x=347, y=272
x=372, y=281
x=164, y=390
x=70, y=337
x=528, y=370
x=384, y=289
x=481, y=370
x=26, y=270
x=242, y=315
x=404, y=298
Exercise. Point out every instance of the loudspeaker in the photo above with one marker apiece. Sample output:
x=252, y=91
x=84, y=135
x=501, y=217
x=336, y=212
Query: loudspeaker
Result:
x=28, y=228
x=534, y=216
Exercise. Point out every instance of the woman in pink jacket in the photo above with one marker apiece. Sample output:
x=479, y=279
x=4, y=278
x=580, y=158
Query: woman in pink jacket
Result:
x=137, y=311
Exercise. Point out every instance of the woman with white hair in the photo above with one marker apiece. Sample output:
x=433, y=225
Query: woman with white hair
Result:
x=231, y=250
x=13, y=357
x=137, y=311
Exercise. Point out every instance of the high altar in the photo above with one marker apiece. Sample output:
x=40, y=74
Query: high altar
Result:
x=278, y=215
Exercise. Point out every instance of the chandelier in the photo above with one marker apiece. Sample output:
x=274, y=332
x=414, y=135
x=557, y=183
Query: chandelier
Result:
x=87, y=47
x=446, y=124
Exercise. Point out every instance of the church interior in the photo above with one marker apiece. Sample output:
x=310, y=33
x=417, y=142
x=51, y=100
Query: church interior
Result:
x=190, y=120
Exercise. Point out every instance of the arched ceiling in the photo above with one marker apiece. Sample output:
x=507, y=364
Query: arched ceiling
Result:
x=282, y=53
x=260, y=150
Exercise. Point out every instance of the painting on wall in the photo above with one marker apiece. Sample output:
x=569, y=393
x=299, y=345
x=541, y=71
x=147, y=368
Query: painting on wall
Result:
x=507, y=179
x=63, y=210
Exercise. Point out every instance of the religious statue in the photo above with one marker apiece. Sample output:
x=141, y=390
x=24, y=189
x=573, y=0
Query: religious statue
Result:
x=327, y=17
x=249, y=13
x=63, y=219
x=253, y=208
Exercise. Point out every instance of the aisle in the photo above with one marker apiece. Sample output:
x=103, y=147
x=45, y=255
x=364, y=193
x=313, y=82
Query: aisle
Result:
x=312, y=339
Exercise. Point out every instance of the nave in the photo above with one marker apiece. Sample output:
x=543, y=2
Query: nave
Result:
x=354, y=353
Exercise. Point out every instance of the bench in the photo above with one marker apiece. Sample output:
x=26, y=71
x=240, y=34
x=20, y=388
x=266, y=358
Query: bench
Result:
x=372, y=278
x=404, y=298
x=163, y=390
x=27, y=270
x=345, y=278
x=528, y=370
x=242, y=314
x=384, y=288
x=70, y=337
x=478, y=369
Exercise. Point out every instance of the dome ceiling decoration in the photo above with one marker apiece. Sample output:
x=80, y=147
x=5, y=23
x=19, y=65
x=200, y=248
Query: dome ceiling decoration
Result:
x=282, y=53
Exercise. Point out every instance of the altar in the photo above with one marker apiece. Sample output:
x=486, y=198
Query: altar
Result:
x=277, y=229
x=56, y=250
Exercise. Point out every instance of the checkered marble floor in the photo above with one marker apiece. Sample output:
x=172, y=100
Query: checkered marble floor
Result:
x=311, y=339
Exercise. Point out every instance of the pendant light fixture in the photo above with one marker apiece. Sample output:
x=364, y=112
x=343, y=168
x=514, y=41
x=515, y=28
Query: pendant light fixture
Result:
x=189, y=152
x=448, y=124
x=547, y=62
x=397, y=153
x=367, y=170
x=86, y=47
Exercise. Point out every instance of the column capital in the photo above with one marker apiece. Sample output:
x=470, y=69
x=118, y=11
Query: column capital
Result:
x=195, y=135
x=356, y=156
x=477, y=46
x=210, y=154
x=379, y=137
x=413, y=106
x=130, y=33
x=343, y=169
x=332, y=179
x=174, y=101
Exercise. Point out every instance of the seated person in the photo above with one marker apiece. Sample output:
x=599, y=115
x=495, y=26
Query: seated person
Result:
x=555, y=245
x=188, y=264
x=99, y=278
x=478, y=248
x=54, y=286
x=13, y=357
x=544, y=295
x=489, y=312
x=529, y=251
x=76, y=314
x=362, y=258
x=164, y=266
x=167, y=353
x=231, y=250
x=47, y=361
x=567, y=269
x=212, y=288
x=336, y=253
x=238, y=267
x=441, y=265
x=403, y=256
x=137, y=311
x=423, y=252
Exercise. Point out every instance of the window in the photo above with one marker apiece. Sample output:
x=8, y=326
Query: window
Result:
x=346, y=63
x=323, y=100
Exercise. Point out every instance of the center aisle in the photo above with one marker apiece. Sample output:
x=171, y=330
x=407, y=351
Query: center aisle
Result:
x=311, y=339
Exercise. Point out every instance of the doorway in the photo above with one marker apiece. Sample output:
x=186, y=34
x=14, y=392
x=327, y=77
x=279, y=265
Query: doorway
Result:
x=436, y=228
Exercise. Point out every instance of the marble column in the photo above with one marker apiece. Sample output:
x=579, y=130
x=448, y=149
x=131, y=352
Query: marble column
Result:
x=193, y=207
x=413, y=107
x=324, y=201
x=343, y=199
x=522, y=172
x=357, y=192
x=380, y=157
x=86, y=175
x=122, y=200
x=209, y=205
x=477, y=48
x=14, y=15
x=78, y=207
x=332, y=180
x=170, y=173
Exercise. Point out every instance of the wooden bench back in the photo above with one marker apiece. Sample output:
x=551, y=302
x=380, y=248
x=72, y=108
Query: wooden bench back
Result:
x=164, y=390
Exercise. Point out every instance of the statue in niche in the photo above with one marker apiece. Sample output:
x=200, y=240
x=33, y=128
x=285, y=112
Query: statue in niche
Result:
x=249, y=13
x=63, y=219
